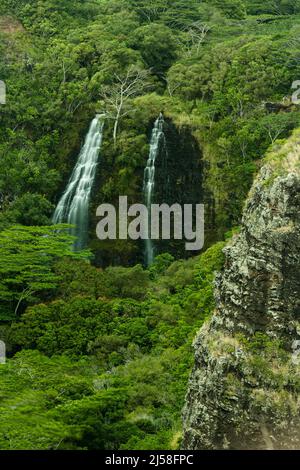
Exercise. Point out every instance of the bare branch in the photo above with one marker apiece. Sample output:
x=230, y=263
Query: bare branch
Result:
x=117, y=96
x=195, y=36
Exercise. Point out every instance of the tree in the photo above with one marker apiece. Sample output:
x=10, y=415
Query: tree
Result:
x=126, y=282
x=160, y=265
x=32, y=209
x=117, y=97
x=277, y=7
x=278, y=124
x=157, y=45
x=150, y=10
x=62, y=327
x=195, y=35
x=27, y=257
x=173, y=13
x=231, y=8
x=42, y=385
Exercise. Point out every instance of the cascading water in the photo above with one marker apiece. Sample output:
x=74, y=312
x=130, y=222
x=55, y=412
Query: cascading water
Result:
x=157, y=140
x=73, y=207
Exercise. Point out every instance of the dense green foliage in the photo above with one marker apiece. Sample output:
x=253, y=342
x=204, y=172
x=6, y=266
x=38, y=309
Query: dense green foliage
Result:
x=212, y=67
x=99, y=358
x=105, y=365
x=27, y=258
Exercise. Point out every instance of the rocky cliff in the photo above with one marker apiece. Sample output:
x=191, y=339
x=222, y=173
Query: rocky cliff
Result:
x=244, y=390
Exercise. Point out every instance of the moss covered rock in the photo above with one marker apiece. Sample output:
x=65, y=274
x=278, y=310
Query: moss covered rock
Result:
x=244, y=389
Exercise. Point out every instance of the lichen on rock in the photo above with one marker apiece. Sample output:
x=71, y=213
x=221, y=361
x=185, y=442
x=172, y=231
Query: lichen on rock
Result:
x=244, y=390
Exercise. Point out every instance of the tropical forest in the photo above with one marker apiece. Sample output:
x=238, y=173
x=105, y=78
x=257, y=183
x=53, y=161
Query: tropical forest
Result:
x=136, y=342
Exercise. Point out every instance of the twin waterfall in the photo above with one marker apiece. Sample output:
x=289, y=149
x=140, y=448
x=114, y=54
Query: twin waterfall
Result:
x=73, y=207
x=157, y=140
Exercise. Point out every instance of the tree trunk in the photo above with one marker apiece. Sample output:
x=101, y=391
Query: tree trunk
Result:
x=116, y=130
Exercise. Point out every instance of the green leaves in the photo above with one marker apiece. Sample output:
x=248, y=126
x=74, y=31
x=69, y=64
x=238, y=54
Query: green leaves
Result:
x=27, y=257
x=231, y=8
x=113, y=354
x=157, y=45
x=113, y=347
x=32, y=386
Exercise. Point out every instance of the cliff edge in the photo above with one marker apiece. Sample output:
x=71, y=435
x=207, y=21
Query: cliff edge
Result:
x=244, y=390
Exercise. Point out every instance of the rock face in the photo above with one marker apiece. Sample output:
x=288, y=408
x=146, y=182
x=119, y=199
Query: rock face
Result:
x=244, y=391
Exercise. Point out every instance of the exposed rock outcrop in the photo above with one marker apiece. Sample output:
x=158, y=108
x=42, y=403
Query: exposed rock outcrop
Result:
x=244, y=391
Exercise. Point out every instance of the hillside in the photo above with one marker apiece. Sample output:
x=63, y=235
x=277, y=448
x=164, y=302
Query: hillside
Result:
x=162, y=101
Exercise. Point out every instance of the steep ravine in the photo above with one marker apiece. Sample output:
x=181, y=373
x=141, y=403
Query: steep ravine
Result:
x=244, y=390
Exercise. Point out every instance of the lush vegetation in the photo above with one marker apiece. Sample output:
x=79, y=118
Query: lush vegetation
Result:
x=210, y=66
x=104, y=363
x=99, y=358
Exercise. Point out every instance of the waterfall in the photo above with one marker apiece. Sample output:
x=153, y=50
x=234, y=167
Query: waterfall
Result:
x=157, y=140
x=73, y=207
